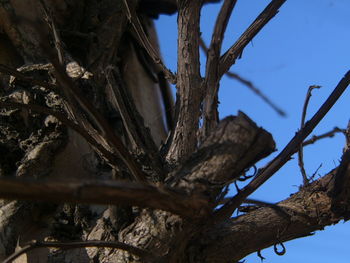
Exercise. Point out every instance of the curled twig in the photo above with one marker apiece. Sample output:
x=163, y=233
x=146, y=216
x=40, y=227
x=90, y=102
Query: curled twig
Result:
x=282, y=252
x=143, y=254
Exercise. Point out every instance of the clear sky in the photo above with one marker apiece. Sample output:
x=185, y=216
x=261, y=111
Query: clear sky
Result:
x=307, y=43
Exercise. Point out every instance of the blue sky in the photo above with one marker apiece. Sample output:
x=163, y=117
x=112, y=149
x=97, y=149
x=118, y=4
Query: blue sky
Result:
x=307, y=43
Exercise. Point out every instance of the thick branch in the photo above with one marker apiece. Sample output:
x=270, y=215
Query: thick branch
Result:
x=298, y=216
x=104, y=192
x=229, y=58
x=184, y=138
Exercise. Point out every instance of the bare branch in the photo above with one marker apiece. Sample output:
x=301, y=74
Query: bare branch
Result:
x=143, y=254
x=329, y=134
x=248, y=84
x=52, y=25
x=265, y=173
x=307, y=210
x=105, y=192
x=143, y=39
x=302, y=123
x=258, y=92
x=211, y=81
x=235, y=51
x=189, y=91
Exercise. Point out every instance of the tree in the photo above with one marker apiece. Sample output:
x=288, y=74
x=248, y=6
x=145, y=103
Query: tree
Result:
x=80, y=139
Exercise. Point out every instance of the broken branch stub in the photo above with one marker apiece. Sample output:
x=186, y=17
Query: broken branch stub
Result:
x=235, y=145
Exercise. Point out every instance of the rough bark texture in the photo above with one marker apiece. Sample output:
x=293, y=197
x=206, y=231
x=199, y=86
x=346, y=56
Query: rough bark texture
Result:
x=75, y=131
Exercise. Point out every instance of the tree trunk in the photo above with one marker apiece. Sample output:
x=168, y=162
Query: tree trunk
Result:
x=90, y=110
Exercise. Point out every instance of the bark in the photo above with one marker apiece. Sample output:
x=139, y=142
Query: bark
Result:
x=80, y=127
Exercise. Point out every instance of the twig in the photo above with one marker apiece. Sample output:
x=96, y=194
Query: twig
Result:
x=105, y=192
x=52, y=25
x=258, y=92
x=211, y=81
x=143, y=254
x=248, y=84
x=329, y=134
x=136, y=24
x=272, y=167
x=235, y=51
x=302, y=123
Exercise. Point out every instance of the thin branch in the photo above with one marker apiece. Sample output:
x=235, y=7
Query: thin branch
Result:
x=211, y=81
x=235, y=51
x=105, y=192
x=142, y=37
x=329, y=134
x=143, y=254
x=52, y=25
x=302, y=123
x=248, y=84
x=258, y=92
x=272, y=167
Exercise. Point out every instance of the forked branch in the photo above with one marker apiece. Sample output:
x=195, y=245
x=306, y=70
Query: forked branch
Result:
x=212, y=78
x=235, y=51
